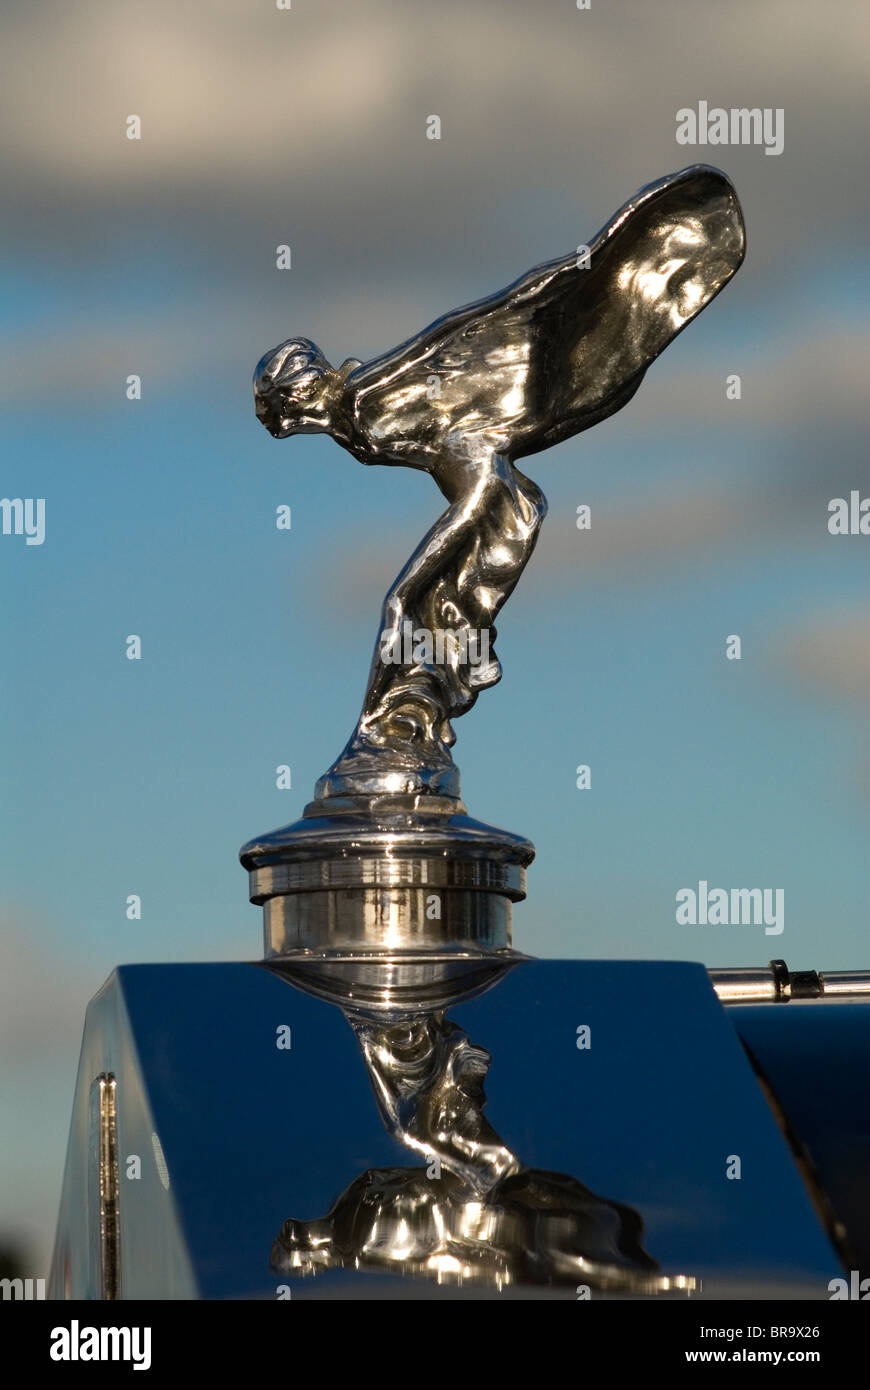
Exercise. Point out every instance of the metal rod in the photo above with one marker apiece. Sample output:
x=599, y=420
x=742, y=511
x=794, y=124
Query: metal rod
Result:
x=776, y=984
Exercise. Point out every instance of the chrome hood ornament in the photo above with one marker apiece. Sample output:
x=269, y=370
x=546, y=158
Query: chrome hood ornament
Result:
x=560, y=349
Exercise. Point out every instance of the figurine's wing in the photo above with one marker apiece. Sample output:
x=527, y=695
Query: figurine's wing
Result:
x=568, y=343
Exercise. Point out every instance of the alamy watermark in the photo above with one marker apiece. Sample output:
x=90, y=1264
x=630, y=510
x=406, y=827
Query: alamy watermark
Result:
x=856, y=1288
x=412, y=646
x=736, y=125
x=77, y=1343
x=736, y=907
x=25, y=1289
x=24, y=516
x=849, y=516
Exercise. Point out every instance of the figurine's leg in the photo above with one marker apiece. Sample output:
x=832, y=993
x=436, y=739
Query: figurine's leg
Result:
x=458, y=578
x=408, y=700
x=405, y=599
x=450, y=592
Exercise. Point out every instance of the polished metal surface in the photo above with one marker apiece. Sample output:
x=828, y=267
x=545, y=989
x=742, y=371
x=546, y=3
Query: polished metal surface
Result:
x=104, y=1195
x=813, y=1060
x=845, y=983
x=776, y=984
x=560, y=349
x=387, y=876
x=151, y=1258
x=735, y=985
x=397, y=987
x=385, y=856
x=474, y=1213
x=437, y=1133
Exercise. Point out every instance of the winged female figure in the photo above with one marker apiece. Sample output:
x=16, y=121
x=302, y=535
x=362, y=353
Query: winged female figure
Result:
x=560, y=349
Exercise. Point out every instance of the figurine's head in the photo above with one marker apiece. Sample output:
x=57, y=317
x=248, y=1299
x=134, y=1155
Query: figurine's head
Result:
x=293, y=388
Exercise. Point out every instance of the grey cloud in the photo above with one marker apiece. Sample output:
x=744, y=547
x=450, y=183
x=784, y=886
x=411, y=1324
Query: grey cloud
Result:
x=317, y=115
x=830, y=653
x=42, y=996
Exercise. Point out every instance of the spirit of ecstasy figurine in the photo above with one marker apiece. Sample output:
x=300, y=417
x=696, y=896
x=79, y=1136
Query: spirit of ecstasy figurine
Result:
x=360, y=1147
x=559, y=350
